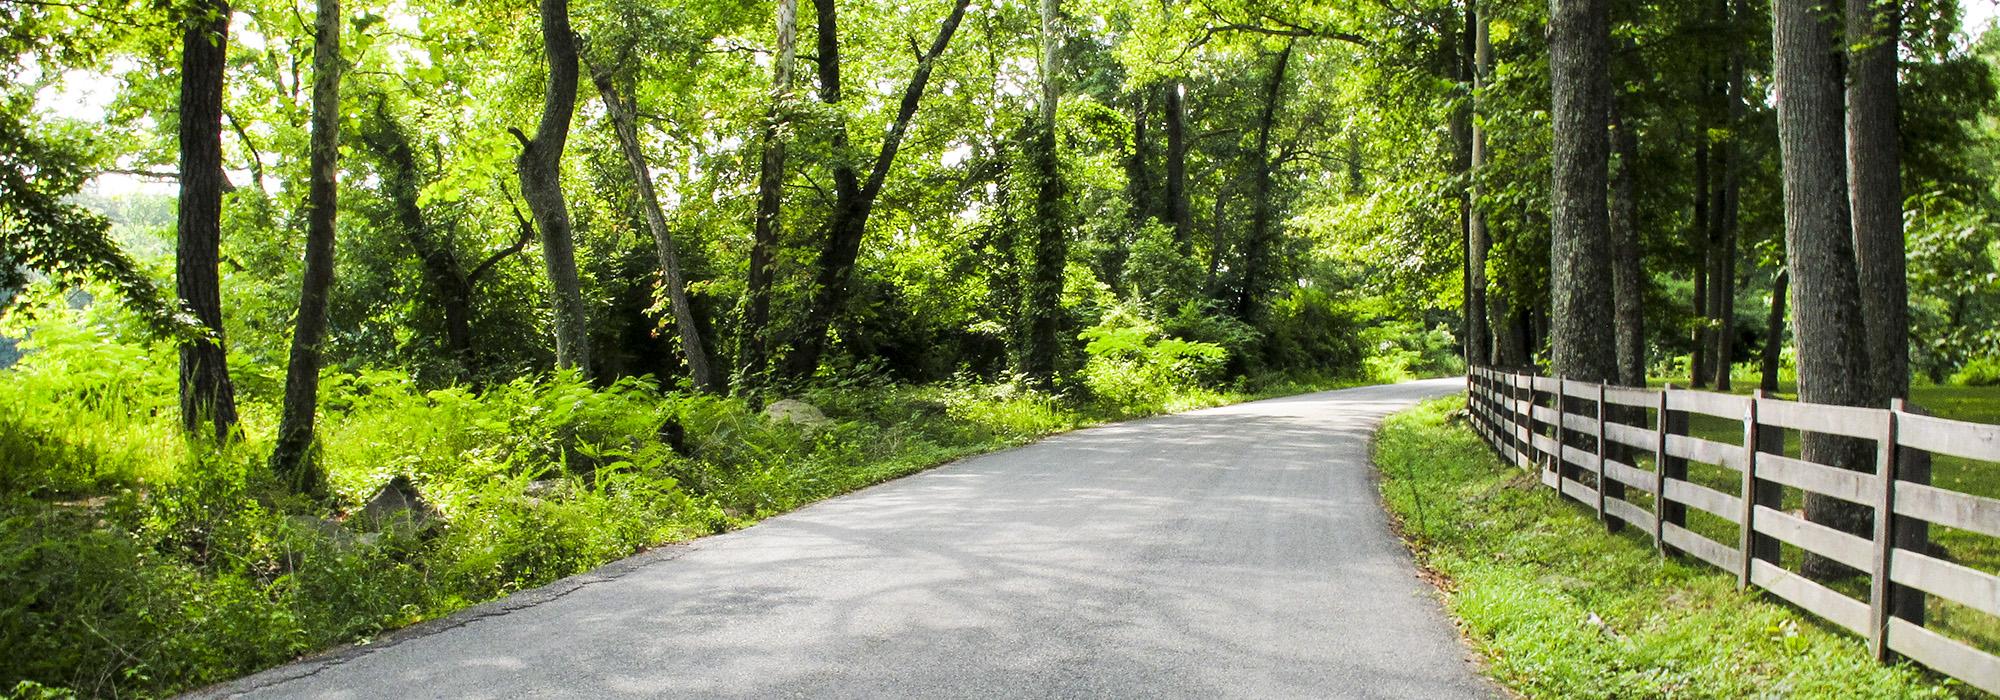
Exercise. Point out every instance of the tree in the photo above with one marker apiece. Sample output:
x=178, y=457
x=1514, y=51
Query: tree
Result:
x=1478, y=240
x=540, y=170
x=1727, y=217
x=625, y=124
x=1628, y=275
x=1819, y=245
x=1581, y=327
x=1875, y=192
x=755, y=350
x=1774, y=333
x=1045, y=283
x=208, y=398
x=854, y=199
x=1257, y=249
x=1179, y=209
x=452, y=287
x=292, y=458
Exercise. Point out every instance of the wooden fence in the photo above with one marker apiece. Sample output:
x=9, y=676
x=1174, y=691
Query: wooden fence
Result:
x=1560, y=428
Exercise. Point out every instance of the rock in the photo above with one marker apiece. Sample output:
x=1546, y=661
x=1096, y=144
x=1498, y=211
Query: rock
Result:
x=398, y=507
x=543, y=488
x=796, y=412
x=332, y=530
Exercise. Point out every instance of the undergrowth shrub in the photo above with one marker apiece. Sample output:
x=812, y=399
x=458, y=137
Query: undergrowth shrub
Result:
x=1133, y=363
x=1984, y=371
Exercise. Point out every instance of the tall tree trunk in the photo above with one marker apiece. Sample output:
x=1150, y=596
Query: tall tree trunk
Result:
x=1218, y=237
x=208, y=399
x=755, y=351
x=1874, y=161
x=693, y=348
x=1628, y=277
x=1257, y=250
x=1819, y=243
x=1051, y=235
x=292, y=457
x=1463, y=46
x=540, y=169
x=444, y=274
x=1722, y=296
x=1138, y=173
x=1698, y=365
x=1511, y=341
x=1178, y=207
x=1479, y=241
x=1580, y=286
x=1774, y=332
x=854, y=201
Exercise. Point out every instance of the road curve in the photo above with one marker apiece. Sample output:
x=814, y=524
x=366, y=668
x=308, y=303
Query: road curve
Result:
x=1231, y=552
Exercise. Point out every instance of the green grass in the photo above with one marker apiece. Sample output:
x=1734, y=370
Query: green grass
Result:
x=1560, y=608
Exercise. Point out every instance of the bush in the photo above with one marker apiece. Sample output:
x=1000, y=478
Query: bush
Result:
x=1310, y=330
x=1134, y=366
x=1983, y=371
x=1403, y=350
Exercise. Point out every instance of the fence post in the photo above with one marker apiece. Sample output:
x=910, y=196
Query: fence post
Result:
x=1746, y=530
x=1603, y=480
x=1913, y=466
x=1524, y=422
x=1666, y=511
x=1766, y=493
x=1885, y=533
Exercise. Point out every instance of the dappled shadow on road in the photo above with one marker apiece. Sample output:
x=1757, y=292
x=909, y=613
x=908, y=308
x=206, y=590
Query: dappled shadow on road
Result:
x=1229, y=552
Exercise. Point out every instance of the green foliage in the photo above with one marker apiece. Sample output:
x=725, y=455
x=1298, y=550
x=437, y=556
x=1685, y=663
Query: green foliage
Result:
x=1310, y=329
x=1984, y=371
x=1406, y=351
x=1559, y=608
x=40, y=166
x=1133, y=362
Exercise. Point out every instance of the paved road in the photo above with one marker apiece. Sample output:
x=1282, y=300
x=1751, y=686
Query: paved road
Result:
x=1238, y=551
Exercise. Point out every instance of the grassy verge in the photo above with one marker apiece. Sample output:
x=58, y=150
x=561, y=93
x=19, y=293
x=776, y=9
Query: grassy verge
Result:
x=137, y=564
x=1560, y=608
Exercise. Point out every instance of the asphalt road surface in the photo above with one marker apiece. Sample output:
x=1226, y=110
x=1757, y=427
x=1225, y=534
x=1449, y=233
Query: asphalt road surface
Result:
x=1232, y=552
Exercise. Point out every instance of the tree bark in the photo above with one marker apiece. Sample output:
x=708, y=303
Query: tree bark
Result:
x=208, y=399
x=1051, y=235
x=1698, y=364
x=755, y=351
x=1218, y=238
x=1138, y=174
x=1874, y=162
x=540, y=170
x=693, y=348
x=1827, y=321
x=1511, y=341
x=1463, y=46
x=292, y=458
x=1581, y=326
x=1479, y=241
x=1179, y=209
x=1722, y=295
x=1774, y=332
x=1257, y=249
x=854, y=201
x=1628, y=277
